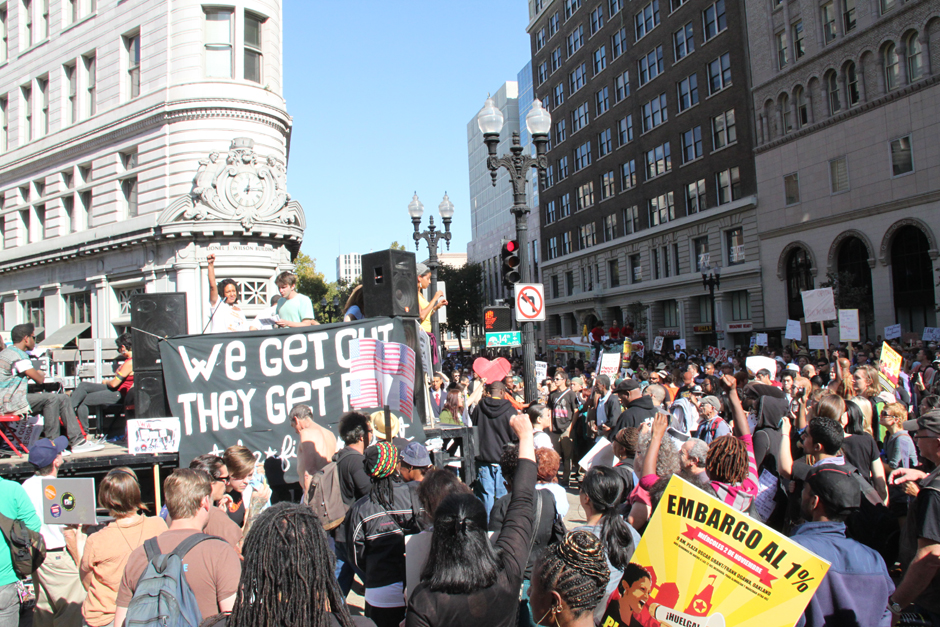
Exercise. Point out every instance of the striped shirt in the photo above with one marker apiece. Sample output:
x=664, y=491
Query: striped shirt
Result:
x=12, y=382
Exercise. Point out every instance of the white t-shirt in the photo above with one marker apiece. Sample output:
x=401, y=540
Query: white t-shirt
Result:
x=541, y=439
x=52, y=534
x=226, y=318
x=561, y=496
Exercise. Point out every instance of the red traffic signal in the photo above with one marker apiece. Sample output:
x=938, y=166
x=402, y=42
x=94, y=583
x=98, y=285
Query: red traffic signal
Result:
x=511, y=261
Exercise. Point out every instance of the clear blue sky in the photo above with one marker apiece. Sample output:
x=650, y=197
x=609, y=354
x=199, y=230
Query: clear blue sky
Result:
x=380, y=94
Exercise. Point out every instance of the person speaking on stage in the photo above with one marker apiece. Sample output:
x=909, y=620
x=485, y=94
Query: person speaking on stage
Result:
x=224, y=313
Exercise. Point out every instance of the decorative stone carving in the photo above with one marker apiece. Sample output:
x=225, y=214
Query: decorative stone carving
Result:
x=785, y=254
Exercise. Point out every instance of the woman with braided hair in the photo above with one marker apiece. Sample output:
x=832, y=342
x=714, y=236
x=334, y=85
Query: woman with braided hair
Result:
x=375, y=534
x=730, y=462
x=569, y=581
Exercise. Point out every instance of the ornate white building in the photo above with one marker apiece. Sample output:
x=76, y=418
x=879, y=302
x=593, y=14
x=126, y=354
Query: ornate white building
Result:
x=137, y=137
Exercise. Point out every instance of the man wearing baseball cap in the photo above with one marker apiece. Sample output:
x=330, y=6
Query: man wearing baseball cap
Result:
x=712, y=425
x=919, y=590
x=637, y=407
x=415, y=462
x=59, y=591
x=857, y=585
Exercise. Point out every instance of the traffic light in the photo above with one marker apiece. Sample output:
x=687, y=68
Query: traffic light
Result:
x=510, y=257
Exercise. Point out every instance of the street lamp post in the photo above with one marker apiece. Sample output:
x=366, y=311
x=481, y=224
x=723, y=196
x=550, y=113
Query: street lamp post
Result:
x=330, y=309
x=432, y=236
x=538, y=122
x=711, y=280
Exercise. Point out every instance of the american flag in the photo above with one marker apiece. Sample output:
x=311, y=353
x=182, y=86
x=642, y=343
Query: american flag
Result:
x=383, y=374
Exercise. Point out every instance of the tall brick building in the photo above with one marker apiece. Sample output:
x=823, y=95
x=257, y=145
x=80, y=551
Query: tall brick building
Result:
x=848, y=167
x=651, y=173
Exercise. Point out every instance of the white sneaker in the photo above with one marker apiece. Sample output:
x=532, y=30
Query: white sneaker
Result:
x=66, y=453
x=87, y=447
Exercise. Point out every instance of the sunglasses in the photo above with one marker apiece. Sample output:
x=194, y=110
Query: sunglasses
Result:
x=224, y=479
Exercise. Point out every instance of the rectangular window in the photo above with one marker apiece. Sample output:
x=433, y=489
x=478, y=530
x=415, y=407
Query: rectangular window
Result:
x=631, y=220
x=542, y=72
x=570, y=7
x=615, y=6
x=34, y=312
x=724, y=131
x=608, y=187
x=654, y=257
x=575, y=40
x=704, y=309
x=91, y=83
x=43, y=85
x=556, y=59
x=647, y=19
x=667, y=266
x=729, y=185
x=651, y=65
x=585, y=197
x=579, y=117
x=887, y=5
x=719, y=73
x=540, y=39
x=27, y=113
x=566, y=243
x=610, y=225
x=602, y=100
x=828, y=12
x=791, y=188
x=695, y=197
x=129, y=191
x=662, y=209
x=553, y=24
x=71, y=93
x=798, y=45
x=902, y=156
x=735, y=239
x=692, y=144
x=714, y=20
x=220, y=58
x=569, y=281
x=68, y=214
x=658, y=161
x=597, y=19
x=628, y=175
x=552, y=248
x=582, y=156
x=28, y=22
x=564, y=205
x=554, y=283
x=78, y=308
x=687, y=90
x=587, y=236
x=132, y=49
x=848, y=15
x=4, y=128
x=618, y=42
x=654, y=113
x=550, y=215
x=683, y=41
x=563, y=168
x=671, y=313
x=43, y=20
x=740, y=305
x=549, y=176
x=700, y=253
x=622, y=86
x=781, y=44
x=4, y=35
x=675, y=4
x=675, y=260
x=559, y=96
x=636, y=268
x=38, y=227
x=577, y=78
x=603, y=143
x=838, y=175
x=625, y=129
x=81, y=220
x=613, y=272
x=560, y=132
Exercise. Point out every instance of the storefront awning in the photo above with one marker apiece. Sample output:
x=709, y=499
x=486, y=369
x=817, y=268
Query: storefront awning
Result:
x=64, y=335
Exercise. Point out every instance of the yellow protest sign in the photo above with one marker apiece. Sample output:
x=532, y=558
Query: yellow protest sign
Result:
x=890, y=367
x=702, y=563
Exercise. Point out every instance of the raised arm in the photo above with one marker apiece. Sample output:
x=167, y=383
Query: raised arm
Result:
x=785, y=455
x=737, y=410
x=660, y=424
x=213, y=287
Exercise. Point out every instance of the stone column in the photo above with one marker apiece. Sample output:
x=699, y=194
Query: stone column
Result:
x=720, y=316
x=843, y=93
x=901, y=49
x=684, y=327
x=808, y=94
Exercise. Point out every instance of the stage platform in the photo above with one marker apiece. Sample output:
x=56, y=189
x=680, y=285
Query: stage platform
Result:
x=93, y=464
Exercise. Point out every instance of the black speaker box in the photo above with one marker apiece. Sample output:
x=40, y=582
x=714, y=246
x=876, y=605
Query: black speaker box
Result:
x=161, y=315
x=149, y=393
x=390, y=284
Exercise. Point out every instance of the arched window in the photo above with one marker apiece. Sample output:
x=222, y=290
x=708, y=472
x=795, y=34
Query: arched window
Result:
x=851, y=81
x=799, y=279
x=915, y=58
x=785, y=113
x=892, y=67
x=802, y=111
x=832, y=87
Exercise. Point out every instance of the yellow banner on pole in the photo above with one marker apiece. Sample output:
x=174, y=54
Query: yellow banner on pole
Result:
x=702, y=563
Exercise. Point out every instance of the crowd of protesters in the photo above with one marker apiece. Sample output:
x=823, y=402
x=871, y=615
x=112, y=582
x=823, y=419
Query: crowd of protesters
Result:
x=854, y=467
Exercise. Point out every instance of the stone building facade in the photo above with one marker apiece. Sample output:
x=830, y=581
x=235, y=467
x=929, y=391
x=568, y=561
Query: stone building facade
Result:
x=847, y=107
x=138, y=137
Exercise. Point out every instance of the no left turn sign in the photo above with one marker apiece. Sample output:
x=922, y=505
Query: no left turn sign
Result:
x=530, y=302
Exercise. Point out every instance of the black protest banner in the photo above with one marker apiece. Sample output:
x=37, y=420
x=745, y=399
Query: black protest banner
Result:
x=239, y=388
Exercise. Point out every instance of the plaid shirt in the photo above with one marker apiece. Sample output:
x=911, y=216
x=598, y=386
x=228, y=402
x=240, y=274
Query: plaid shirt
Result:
x=12, y=384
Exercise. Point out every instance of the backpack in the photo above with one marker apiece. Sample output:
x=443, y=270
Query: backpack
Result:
x=163, y=597
x=27, y=547
x=325, y=497
x=873, y=524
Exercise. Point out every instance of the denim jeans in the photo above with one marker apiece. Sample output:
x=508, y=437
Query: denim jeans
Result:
x=489, y=485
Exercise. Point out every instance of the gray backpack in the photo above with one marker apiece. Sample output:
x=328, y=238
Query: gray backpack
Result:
x=163, y=597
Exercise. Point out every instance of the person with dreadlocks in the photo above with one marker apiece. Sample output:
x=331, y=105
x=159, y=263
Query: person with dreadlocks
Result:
x=730, y=462
x=287, y=576
x=375, y=534
x=569, y=581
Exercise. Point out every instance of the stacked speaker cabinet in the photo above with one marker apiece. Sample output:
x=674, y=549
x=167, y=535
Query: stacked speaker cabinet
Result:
x=153, y=317
x=390, y=284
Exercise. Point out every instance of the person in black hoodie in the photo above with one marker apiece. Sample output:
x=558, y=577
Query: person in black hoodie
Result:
x=491, y=417
x=637, y=406
x=356, y=431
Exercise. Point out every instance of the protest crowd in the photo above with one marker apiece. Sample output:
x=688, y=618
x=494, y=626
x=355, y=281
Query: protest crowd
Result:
x=812, y=445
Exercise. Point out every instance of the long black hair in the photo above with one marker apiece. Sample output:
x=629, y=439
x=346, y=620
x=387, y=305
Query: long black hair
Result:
x=856, y=419
x=288, y=573
x=461, y=560
x=604, y=488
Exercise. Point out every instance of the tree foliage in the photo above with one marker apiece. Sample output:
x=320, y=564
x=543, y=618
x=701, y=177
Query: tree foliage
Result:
x=464, y=297
x=396, y=246
x=310, y=283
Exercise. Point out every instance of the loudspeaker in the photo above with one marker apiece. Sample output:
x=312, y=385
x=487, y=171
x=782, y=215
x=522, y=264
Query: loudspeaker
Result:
x=390, y=284
x=149, y=394
x=161, y=315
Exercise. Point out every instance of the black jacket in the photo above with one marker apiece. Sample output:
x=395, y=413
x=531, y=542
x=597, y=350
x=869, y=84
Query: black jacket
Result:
x=491, y=417
x=636, y=412
x=354, y=482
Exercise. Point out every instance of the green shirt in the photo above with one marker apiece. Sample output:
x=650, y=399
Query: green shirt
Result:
x=296, y=309
x=14, y=504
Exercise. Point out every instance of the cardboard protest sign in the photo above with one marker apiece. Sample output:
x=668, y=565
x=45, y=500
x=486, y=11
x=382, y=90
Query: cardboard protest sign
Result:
x=153, y=435
x=541, y=370
x=756, y=363
x=794, y=330
x=893, y=332
x=678, y=345
x=609, y=364
x=848, y=325
x=890, y=368
x=639, y=348
x=760, y=339
x=658, y=343
x=931, y=334
x=817, y=342
x=708, y=565
x=818, y=305
x=238, y=388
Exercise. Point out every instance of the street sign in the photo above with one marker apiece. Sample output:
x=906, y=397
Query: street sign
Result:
x=530, y=302
x=504, y=339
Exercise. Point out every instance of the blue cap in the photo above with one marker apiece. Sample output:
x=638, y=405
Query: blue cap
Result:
x=416, y=456
x=44, y=452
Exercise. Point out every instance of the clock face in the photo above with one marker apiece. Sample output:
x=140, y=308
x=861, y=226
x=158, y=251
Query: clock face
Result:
x=246, y=189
